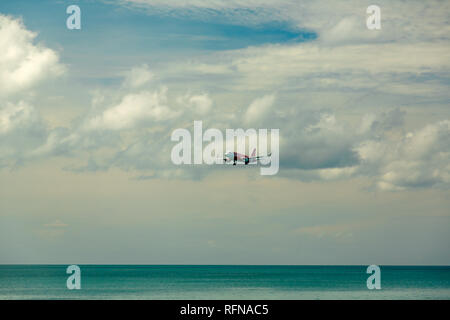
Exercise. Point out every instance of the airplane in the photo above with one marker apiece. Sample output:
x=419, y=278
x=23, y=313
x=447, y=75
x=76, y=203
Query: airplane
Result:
x=234, y=156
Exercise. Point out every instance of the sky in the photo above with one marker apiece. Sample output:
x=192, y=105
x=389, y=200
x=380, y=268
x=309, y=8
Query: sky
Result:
x=86, y=118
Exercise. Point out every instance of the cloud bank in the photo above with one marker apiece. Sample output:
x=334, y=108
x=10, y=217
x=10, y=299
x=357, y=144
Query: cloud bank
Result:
x=304, y=89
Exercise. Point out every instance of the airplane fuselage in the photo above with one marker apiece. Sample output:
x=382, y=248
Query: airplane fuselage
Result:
x=235, y=156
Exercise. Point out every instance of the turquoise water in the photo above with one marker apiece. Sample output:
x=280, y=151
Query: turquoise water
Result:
x=223, y=282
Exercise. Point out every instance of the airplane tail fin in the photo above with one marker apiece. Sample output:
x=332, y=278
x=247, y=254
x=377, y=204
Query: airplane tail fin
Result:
x=253, y=153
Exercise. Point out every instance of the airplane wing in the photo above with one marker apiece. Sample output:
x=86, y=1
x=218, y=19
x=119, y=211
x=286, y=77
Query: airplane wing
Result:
x=259, y=157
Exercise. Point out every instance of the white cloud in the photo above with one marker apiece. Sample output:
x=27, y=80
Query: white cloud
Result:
x=337, y=173
x=326, y=122
x=23, y=66
x=138, y=76
x=318, y=144
x=200, y=104
x=258, y=109
x=14, y=116
x=354, y=66
x=336, y=22
x=418, y=159
x=345, y=56
x=21, y=130
x=22, y=63
x=134, y=109
x=377, y=149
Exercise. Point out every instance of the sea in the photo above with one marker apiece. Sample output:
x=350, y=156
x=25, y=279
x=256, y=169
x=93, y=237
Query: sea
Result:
x=235, y=282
